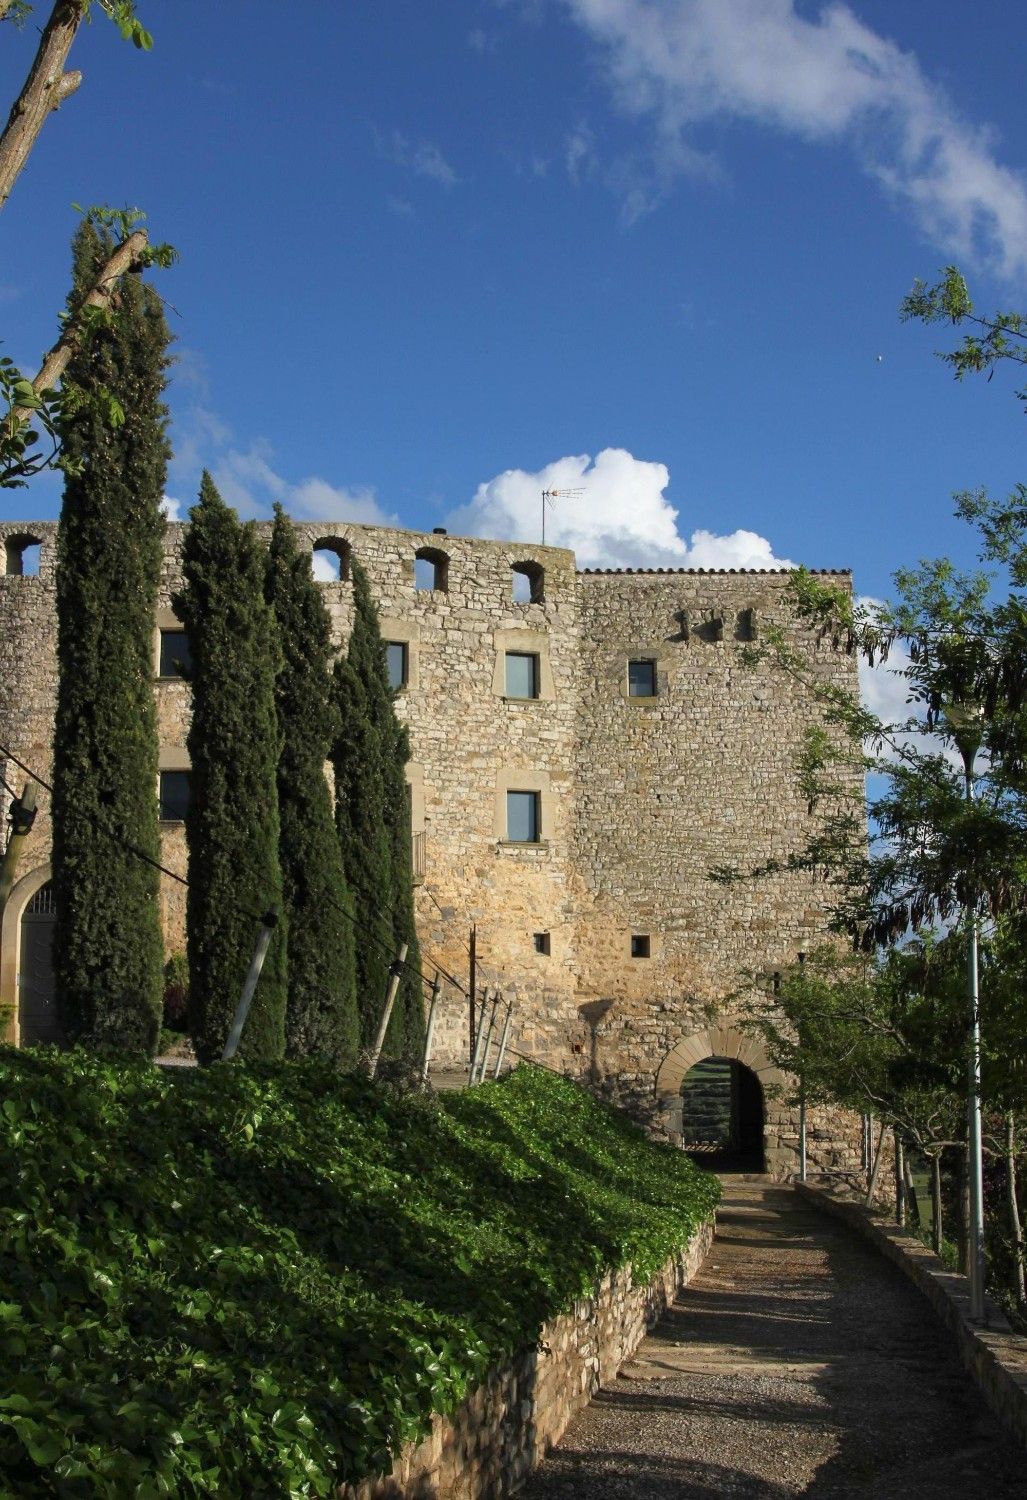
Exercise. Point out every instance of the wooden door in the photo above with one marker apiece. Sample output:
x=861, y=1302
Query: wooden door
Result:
x=37, y=992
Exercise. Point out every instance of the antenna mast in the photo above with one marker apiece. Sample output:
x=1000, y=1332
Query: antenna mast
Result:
x=548, y=496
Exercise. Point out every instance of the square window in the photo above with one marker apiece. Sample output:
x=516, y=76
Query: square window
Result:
x=522, y=820
x=641, y=679
x=396, y=658
x=521, y=675
x=176, y=659
x=541, y=942
x=640, y=945
x=174, y=796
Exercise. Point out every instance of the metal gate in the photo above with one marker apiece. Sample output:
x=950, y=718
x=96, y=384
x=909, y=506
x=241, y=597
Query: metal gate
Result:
x=37, y=992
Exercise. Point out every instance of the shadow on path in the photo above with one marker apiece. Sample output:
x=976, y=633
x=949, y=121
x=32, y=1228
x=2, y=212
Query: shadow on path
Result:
x=798, y=1362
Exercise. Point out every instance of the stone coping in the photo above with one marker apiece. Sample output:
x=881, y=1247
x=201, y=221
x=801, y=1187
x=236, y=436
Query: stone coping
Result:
x=503, y=1430
x=994, y=1356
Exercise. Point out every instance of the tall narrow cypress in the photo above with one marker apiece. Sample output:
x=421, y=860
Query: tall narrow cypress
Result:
x=321, y=1009
x=108, y=952
x=232, y=820
x=373, y=819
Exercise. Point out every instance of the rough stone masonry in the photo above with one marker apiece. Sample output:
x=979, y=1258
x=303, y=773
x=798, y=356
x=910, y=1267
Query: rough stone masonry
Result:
x=571, y=803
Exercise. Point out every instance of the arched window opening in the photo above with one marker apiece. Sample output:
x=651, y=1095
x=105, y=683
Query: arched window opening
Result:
x=22, y=554
x=528, y=582
x=330, y=560
x=431, y=570
x=722, y=1115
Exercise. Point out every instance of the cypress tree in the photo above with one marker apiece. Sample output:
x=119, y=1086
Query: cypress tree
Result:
x=108, y=953
x=373, y=820
x=321, y=1011
x=232, y=821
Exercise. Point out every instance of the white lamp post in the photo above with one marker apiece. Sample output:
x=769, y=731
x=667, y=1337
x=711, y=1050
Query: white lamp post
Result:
x=966, y=720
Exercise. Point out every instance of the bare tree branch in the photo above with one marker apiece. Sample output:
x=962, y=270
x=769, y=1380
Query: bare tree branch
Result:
x=46, y=87
x=129, y=256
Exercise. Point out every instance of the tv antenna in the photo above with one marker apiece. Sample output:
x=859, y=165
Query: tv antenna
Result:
x=548, y=496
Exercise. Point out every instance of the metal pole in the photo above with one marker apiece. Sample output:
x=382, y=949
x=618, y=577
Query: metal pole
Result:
x=503, y=1039
x=472, y=990
x=268, y=923
x=479, y=1037
x=22, y=815
x=484, y=1061
x=429, y=1030
x=395, y=975
x=974, y=1094
x=802, y=1136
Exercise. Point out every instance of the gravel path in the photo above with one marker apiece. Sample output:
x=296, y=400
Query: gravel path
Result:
x=798, y=1362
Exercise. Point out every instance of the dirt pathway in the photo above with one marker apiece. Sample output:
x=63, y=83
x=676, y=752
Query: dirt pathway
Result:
x=798, y=1362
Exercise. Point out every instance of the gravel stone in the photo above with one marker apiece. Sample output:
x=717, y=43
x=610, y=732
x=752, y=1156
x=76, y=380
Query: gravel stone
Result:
x=797, y=1362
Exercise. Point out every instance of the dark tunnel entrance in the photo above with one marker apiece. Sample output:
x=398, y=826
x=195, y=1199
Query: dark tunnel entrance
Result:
x=723, y=1116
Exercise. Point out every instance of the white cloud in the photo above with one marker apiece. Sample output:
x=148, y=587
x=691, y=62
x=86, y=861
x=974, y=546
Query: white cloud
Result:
x=830, y=77
x=249, y=483
x=623, y=519
x=172, y=509
x=421, y=157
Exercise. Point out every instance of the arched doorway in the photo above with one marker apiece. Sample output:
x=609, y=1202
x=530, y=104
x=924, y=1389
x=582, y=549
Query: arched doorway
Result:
x=752, y=1090
x=723, y=1115
x=38, y=1021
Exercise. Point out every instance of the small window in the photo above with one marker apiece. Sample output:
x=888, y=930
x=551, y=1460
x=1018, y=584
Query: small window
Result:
x=640, y=945
x=541, y=940
x=522, y=817
x=22, y=553
x=528, y=580
x=397, y=661
x=176, y=658
x=330, y=560
x=174, y=796
x=431, y=570
x=641, y=679
x=521, y=675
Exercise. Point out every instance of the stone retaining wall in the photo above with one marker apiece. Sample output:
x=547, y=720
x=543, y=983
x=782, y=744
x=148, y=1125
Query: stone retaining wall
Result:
x=504, y=1429
x=995, y=1356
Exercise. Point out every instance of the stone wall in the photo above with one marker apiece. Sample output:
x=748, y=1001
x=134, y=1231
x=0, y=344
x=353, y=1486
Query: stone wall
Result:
x=641, y=798
x=507, y=1425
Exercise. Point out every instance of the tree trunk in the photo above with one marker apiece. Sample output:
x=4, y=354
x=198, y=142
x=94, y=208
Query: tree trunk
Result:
x=936, y=1219
x=1014, y=1208
x=46, y=87
x=912, y=1202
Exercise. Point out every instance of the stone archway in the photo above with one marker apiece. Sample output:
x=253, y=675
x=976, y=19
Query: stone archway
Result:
x=10, y=948
x=724, y=1041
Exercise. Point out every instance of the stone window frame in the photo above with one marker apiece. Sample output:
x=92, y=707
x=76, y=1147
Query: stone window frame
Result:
x=341, y=548
x=535, y=573
x=171, y=758
x=521, y=642
x=440, y=570
x=15, y=545
x=524, y=779
x=405, y=633
x=404, y=671
x=166, y=622
x=661, y=659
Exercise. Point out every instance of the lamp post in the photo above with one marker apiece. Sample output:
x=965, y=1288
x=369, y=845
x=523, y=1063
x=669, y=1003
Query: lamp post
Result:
x=966, y=720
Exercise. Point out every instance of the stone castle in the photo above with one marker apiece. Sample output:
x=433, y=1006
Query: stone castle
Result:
x=587, y=746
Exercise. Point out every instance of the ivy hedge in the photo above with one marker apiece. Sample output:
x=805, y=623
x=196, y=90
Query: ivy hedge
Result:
x=258, y=1281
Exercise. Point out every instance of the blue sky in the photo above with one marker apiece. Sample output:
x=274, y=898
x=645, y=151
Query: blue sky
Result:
x=651, y=247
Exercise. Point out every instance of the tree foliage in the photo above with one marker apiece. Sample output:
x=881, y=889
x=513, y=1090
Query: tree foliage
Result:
x=108, y=953
x=321, y=1015
x=373, y=821
x=232, y=823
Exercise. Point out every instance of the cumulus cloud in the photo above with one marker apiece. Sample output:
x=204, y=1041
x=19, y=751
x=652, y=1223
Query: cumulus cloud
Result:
x=172, y=509
x=825, y=77
x=248, y=482
x=623, y=518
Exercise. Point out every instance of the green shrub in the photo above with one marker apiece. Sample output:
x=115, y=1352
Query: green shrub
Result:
x=258, y=1282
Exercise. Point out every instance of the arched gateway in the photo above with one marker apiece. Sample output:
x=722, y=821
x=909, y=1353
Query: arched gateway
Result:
x=779, y=1140
x=27, y=996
